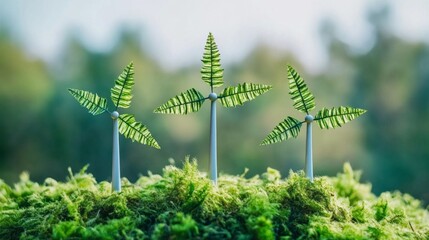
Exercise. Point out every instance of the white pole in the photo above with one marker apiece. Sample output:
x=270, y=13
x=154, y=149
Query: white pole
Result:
x=213, y=139
x=116, y=172
x=309, y=148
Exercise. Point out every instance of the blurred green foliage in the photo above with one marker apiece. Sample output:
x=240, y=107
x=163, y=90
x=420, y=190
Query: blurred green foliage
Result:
x=44, y=131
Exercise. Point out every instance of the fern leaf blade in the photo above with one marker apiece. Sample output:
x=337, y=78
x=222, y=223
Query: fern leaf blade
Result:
x=302, y=97
x=211, y=71
x=336, y=117
x=136, y=131
x=121, y=93
x=235, y=96
x=95, y=104
x=184, y=103
x=289, y=128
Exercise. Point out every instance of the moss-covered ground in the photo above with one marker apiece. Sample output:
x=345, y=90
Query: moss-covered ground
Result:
x=183, y=204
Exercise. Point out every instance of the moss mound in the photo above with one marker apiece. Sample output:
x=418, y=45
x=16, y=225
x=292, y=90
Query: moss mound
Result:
x=183, y=204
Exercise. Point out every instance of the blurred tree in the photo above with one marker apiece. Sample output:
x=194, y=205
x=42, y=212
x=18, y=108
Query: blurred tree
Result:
x=26, y=88
x=391, y=80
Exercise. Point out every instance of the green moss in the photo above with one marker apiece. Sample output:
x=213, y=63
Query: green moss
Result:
x=183, y=204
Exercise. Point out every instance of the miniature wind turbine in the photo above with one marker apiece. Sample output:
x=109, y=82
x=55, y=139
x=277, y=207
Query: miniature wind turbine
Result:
x=125, y=124
x=192, y=100
x=304, y=102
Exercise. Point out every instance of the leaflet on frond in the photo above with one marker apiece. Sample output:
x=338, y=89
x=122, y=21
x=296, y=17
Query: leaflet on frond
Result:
x=336, y=117
x=136, y=131
x=211, y=71
x=121, y=92
x=289, y=128
x=95, y=104
x=235, y=96
x=184, y=103
x=302, y=97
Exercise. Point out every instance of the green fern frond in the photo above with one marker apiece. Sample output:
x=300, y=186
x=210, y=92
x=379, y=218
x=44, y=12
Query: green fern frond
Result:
x=184, y=103
x=95, y=104
x=211, y=71
x=290, y=127
x=302, y=97
x=130, y=128
x=121, y=92
x=234, y=96
x=335, y=117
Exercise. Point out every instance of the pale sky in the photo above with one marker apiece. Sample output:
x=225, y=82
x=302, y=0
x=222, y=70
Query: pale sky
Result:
x=176, y=30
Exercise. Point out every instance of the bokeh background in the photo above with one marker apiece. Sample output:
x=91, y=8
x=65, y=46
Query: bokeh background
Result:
x=367, y=54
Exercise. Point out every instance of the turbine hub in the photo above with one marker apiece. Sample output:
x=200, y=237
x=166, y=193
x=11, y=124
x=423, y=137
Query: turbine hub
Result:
x=115, y=115
x=309, y=118
x=212, y=96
